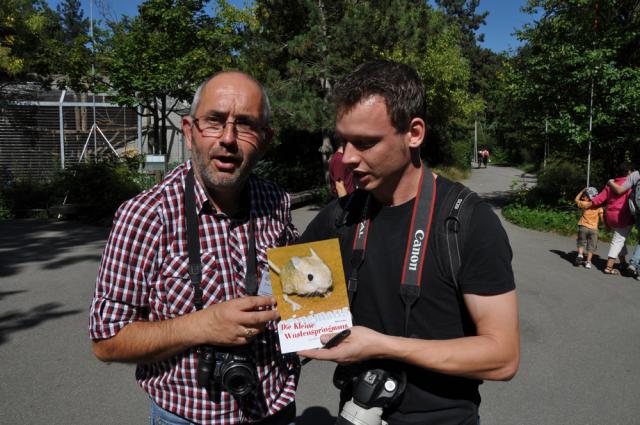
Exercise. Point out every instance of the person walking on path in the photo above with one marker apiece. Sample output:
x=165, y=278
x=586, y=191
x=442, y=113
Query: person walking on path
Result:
x=340, y=175
x=617, y=217
x=485, y=157
x=631, y=184
x=175, y=291
x=587, y=226
x=453, y=336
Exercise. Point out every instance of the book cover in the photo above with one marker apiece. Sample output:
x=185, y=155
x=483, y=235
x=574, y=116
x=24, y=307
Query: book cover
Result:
x=308, y=283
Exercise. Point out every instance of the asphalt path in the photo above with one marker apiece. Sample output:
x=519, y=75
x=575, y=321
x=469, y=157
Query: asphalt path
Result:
x=580, y=333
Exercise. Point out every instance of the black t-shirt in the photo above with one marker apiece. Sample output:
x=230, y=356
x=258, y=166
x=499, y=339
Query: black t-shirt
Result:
x=438, y=313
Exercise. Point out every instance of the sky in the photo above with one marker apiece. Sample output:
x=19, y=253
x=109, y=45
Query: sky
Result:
x=504, y=18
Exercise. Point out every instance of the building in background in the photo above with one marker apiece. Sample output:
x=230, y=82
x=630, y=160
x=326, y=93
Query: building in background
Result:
x=42, y=131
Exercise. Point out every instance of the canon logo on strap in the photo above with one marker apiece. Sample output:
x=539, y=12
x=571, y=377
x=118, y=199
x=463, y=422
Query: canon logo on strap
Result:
x=361, y=228
x=418, y=237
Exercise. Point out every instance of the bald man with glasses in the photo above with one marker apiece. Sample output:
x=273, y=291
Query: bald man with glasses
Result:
x=176, y=289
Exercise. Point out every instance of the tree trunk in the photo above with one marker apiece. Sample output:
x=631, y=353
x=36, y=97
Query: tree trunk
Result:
x=326, y=149
x=156, y=128
x=163, y=133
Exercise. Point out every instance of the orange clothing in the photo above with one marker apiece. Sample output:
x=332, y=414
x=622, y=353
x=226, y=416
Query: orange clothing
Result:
x=589, y=216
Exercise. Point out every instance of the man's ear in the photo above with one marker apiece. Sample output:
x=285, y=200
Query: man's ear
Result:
x=417, y=132
x=187, y=130
x=268, y=134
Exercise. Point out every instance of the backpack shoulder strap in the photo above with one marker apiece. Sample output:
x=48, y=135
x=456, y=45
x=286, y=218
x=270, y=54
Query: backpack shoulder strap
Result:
x=457, y=210
x=348, y=210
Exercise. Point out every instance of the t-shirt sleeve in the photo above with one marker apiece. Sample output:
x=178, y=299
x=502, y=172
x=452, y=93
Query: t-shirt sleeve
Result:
x=322, y=226
x=121, y=294
x=601, y=197
x=582, y=204
x=486, y=268
x=631, y=180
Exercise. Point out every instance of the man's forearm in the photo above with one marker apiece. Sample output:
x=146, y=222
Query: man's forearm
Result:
x=232, y=322
x=618, y=189
x=493, y=354
x=143, y=342
x=477, y=357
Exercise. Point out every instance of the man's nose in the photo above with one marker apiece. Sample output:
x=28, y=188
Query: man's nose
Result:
x=350, y=155
x=229, y=136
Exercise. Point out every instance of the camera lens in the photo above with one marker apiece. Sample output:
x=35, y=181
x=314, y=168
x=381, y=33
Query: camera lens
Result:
x=239, y=379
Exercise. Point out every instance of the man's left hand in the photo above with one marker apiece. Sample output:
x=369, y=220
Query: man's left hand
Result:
x=362, y=344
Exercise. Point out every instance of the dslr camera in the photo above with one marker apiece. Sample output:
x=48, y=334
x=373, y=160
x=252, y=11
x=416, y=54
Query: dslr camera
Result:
x=372, y=390
x=231, y=369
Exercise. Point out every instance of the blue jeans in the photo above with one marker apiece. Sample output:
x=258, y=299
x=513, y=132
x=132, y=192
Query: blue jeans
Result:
x=159, y=416
x=635, y=259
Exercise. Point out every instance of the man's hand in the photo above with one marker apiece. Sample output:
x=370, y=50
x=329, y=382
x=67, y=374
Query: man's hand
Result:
x=233, y=322
x=362, y=344
x=236, y=321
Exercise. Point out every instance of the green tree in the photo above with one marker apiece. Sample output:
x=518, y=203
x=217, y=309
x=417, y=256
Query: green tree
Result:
x=300, y=48
x=26, y=31
x=580, y=50
x=158, y=57
x=73, y=42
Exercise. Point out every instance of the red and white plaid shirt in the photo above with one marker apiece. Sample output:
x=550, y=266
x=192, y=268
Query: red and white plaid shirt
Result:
x=144, y=277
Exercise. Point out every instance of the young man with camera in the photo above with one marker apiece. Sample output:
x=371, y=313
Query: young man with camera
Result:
x=176, y=289
x=425, y=336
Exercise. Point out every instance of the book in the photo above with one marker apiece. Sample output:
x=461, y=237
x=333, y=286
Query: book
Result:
x=308, y=283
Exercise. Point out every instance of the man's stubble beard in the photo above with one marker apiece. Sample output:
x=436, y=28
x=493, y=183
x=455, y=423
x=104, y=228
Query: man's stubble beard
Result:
x=215, y=180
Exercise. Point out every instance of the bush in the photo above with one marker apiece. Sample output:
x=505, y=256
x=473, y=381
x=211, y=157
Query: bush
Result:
x=5, y=212
x=557, y=185
x=293, y=178
x=23, y=195
x=499, y=156
x=102, y=186
x=461, y=152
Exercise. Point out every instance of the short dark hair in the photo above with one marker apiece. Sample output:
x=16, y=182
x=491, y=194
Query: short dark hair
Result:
x=399, y=85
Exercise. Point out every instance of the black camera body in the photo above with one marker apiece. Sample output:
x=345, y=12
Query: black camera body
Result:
x=229, y=369
x=372, y=390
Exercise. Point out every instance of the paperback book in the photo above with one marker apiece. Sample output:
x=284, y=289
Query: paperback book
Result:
x=308, y=283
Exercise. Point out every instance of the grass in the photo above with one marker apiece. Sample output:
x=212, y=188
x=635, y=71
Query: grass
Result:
x=452, y=173
x=548, y=219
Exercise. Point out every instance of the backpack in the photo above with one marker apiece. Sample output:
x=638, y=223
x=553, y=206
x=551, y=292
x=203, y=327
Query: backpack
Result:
x=449, y=225
x=634, y=201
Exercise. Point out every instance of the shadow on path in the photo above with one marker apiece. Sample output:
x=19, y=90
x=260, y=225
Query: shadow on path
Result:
x=497, y=198
x=47, y=242
x=315, y=415
x=14, y=321
x=598, y=262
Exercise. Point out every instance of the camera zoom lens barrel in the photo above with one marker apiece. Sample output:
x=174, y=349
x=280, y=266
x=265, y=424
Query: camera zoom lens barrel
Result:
x=352, y=414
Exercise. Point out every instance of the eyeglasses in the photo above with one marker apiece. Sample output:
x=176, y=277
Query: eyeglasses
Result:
x=246, y=129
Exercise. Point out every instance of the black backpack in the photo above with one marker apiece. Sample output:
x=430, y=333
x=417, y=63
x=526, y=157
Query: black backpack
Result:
x=634, y=201
x=450, y=223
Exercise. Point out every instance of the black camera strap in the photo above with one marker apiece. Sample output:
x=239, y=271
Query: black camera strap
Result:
x=415, y=253
x=193, y=246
